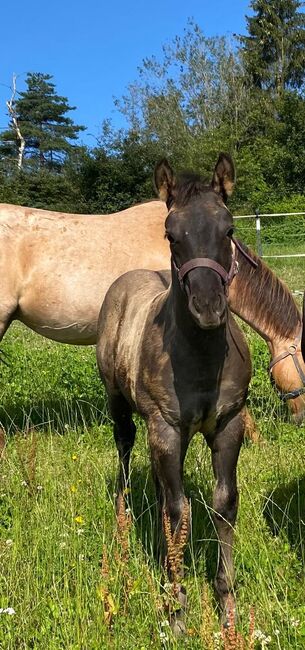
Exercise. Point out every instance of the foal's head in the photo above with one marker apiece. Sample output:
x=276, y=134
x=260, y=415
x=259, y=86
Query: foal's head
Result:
x=199, y=225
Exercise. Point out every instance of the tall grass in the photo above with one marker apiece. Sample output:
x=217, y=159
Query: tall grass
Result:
x=71, y=580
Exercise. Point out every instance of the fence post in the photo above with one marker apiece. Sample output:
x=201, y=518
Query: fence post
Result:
x=259, y=248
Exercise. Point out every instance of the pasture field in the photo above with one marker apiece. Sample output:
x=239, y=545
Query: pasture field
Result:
x=70, y=581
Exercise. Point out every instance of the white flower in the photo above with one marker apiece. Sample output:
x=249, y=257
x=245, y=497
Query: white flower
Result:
x=39, y=488
x=9, y=542
x=80, y=531
x=294, y=622
x=260, y=636
x=24, y=483
x=165, y=623
x=7, y=610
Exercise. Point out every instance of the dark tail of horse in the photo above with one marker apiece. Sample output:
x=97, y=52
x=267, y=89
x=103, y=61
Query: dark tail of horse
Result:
x=303, y=330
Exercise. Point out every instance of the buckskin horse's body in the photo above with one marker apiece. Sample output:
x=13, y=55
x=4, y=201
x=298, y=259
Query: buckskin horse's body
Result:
x=178, y=358
x=56, y=268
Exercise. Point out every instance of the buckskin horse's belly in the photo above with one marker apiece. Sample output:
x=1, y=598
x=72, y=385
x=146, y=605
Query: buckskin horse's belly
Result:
x=67, y=263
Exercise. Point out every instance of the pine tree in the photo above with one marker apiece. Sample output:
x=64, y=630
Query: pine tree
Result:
x=274, y=50
x=41, y=116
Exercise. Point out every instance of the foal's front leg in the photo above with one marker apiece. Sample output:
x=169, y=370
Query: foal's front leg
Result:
x=168, y=451
x=225, y=449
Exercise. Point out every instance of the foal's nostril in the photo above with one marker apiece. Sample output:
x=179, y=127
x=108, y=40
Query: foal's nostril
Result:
x=196, y=304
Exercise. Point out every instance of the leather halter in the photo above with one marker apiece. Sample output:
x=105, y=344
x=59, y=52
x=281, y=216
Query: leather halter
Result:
x=291, y=351
x=206, y=262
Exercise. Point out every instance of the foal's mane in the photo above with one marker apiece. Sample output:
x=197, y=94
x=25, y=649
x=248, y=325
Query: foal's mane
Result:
x=272, y=301
x=187, y=186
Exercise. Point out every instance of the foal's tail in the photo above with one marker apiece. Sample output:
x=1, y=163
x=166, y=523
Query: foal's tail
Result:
x=303, y=330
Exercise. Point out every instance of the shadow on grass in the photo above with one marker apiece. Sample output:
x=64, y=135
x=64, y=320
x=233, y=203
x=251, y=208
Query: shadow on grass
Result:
x=284, y=512
x=58, y=414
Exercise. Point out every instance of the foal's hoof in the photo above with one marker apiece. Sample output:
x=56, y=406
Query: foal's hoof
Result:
x=178, y=626
x=228, y=615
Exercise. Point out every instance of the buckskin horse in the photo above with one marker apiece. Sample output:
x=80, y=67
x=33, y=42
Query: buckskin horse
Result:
x=56, y=269
x=303, y=331
x=176, y=356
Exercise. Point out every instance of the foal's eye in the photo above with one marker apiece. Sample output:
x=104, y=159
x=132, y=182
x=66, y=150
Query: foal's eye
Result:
x=170, y=238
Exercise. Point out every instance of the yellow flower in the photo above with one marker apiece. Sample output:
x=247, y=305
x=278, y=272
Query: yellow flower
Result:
x=73, y=489
x=79, y=519
x=74, y=457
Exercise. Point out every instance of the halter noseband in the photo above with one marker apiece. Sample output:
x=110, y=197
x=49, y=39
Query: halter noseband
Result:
x=206, y=262
x=291, y=351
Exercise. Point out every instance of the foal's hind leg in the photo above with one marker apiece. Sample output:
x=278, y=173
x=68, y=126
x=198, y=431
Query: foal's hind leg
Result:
x=124, y=434
x=225, y=449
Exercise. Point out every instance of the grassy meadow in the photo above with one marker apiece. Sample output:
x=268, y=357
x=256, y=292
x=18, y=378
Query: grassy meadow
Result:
x=69, y=580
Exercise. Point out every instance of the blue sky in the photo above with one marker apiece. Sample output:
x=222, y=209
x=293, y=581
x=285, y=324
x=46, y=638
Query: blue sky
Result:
x=93, y=48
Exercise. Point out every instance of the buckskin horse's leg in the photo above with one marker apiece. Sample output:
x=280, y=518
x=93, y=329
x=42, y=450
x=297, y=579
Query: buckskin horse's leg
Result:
x=167, y=453
x=124, y=431
x=225, y=450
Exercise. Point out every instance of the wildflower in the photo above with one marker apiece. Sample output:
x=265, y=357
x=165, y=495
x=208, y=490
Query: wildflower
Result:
x=191, y=631
x=9, y=542
x=39, y=488
x=260, y=636
x=163, y=637
x=24, y=483
x=62, y=545
x=165, y=623
x=74, y=457
x=73, y=489
x=79, y=519
x=294, y=622
x=80, y=531
x=8, y=610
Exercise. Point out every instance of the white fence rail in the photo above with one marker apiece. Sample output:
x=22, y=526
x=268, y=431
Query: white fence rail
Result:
x=258, y=227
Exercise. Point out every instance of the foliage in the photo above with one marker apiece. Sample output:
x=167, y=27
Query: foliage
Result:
x=41, y=116
x=274, y=49
x=199, y=98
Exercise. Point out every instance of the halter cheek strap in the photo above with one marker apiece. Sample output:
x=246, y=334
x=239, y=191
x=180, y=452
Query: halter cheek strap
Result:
x=291, y=351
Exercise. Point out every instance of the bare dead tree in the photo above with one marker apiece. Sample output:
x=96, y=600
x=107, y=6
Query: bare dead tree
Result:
x=11, y=109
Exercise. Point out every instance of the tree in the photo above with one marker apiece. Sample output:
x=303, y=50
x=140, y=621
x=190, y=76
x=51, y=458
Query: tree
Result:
x=193, y=101
x=41, y=117
x=274, y=49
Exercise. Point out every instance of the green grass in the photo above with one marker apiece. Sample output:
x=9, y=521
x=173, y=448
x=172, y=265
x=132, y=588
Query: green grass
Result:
x=57, y=518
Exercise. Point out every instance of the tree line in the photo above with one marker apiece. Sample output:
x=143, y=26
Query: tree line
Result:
x=243, y=94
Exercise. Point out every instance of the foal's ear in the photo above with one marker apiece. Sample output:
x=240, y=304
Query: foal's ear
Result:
x=164, y=180
x=224, y=176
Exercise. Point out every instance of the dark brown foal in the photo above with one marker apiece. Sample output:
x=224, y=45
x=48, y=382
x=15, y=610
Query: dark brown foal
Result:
x=177, y=357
